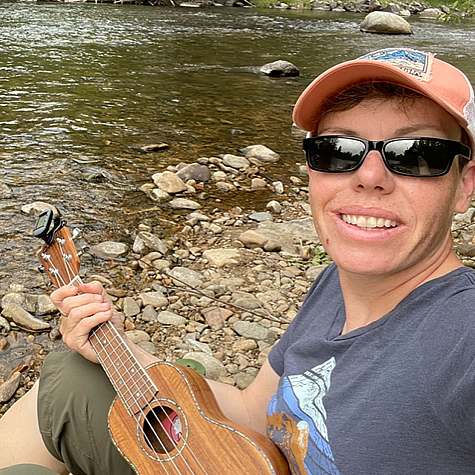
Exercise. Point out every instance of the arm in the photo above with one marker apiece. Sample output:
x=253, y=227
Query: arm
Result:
x=84, y=311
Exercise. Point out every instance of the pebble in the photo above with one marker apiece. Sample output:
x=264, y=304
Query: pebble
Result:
x=183, y=203
x=169, y=318
x=214, y=368
x=109, y=249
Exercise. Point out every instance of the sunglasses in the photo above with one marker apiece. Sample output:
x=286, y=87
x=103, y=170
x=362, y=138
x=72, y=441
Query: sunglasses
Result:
x=416, y=156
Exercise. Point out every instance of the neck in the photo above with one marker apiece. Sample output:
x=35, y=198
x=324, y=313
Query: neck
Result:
x=367, y=298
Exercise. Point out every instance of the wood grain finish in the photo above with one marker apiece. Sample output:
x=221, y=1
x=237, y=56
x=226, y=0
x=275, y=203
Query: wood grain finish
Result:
x=210, y=443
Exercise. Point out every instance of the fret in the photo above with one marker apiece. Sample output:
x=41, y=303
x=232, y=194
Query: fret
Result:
x=130, y=380
x=120, y=363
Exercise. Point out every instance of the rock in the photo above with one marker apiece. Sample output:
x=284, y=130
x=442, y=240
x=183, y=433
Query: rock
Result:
x=274, y=207
x=289, y=234
x=169, y=182
x=182, y=203
x=137, y=336
x=155, y=299
x=243, y=380
x=154, y=147
x=216, y=316
x=23, y=319
x=254, y=330
x=28, y=302
x=241, y=346
x=261, y=153
x=272, y=246
x=197, y=345
x=184, y=276
x=158, y=195
x=222, y=257
x=245, y=300
x=169, y=318
x=9, y=387
x=313, y=272
x=5, y=191
x=280, y=68
x=261, y=216
x=236, y=162
x=45, y=306
x=146, y=240
x=225, y=187
x=214, y=368
x=219, y=175
x=130, y=307
x=194, y=171
x=148, y=346
x=431, y=13
x=198, y=217
x=258, y=184
x=149, y=314
x=37, y=207
x=252, y=239
x=109, y=249
x=278, y=187
x=4, y=324
x=385, y=23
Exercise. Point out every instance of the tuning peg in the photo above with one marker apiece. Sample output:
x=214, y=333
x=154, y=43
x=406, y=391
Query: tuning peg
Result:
x=76, y=233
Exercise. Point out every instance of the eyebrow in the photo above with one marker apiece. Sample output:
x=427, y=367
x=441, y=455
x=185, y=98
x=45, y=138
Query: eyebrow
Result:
x=402, y=131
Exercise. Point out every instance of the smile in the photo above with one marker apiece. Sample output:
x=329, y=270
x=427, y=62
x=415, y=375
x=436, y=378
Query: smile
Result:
x=368, y=221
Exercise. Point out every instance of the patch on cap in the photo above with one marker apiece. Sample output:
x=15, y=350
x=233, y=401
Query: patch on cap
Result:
x=416, y=63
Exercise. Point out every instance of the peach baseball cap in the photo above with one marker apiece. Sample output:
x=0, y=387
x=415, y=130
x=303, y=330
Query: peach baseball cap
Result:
x=423, y=72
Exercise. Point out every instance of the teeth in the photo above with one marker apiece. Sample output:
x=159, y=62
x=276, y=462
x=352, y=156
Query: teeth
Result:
x=368, y=221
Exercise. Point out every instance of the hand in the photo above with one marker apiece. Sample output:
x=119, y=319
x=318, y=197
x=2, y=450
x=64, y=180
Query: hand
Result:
x=84, y=307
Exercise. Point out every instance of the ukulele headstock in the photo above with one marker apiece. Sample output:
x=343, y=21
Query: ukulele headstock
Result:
x=58, y=256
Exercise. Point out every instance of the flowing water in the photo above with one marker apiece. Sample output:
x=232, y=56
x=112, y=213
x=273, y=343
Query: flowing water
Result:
x=81, y=86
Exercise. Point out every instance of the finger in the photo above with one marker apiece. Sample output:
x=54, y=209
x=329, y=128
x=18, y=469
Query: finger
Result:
x=60, y=294
x=84, y=311
x=69, y=303
x=94, y=287
x=78, y=338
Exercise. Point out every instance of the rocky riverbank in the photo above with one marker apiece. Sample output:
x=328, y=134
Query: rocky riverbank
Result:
x=214, y=286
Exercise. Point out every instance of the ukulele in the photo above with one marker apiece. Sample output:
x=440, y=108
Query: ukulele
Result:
x=165, y=419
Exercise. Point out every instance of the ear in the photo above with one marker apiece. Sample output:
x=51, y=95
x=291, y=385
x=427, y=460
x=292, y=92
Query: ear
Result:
x=465, y=187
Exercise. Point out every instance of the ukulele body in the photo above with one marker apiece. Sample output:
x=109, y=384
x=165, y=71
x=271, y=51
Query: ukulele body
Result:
x=208, y=444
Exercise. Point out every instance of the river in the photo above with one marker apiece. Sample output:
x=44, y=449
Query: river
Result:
x=83, y=85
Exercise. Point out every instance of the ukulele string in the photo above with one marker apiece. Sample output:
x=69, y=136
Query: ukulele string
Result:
x=72, y=276
x=185, y=445
x=54, y=271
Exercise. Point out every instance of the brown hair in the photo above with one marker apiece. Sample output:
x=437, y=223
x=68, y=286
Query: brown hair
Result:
x=354, y=95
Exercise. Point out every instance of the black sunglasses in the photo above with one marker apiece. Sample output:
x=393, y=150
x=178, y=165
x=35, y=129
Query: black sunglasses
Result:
x=416, y=156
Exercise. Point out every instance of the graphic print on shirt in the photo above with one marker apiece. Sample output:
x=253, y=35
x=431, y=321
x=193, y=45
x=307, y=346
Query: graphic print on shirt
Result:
x=297, y=421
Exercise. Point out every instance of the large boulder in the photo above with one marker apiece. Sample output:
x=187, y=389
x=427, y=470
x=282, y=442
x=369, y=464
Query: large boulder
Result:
x=385, y=23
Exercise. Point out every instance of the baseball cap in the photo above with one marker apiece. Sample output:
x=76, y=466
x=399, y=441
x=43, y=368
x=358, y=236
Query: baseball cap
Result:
x=417, y=70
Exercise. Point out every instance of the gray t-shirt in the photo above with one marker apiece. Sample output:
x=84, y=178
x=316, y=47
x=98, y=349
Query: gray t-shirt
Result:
x=394, y=397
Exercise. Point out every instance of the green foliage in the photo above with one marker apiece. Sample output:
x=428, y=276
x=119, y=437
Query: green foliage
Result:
x=320, y=257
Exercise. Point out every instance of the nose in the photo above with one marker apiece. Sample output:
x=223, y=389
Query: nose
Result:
x=373, y=175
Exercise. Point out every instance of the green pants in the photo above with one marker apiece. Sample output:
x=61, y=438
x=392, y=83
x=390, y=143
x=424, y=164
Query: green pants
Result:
x=26, y=469
x=73, y=404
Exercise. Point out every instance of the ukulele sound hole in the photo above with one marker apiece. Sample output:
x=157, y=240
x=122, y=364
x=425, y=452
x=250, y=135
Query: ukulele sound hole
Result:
x=162, y=429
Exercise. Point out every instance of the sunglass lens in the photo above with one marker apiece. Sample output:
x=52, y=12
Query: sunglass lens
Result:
x=334, y=154
x=421, y=157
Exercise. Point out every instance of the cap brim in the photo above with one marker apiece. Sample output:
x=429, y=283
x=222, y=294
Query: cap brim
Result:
x=308, y=107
